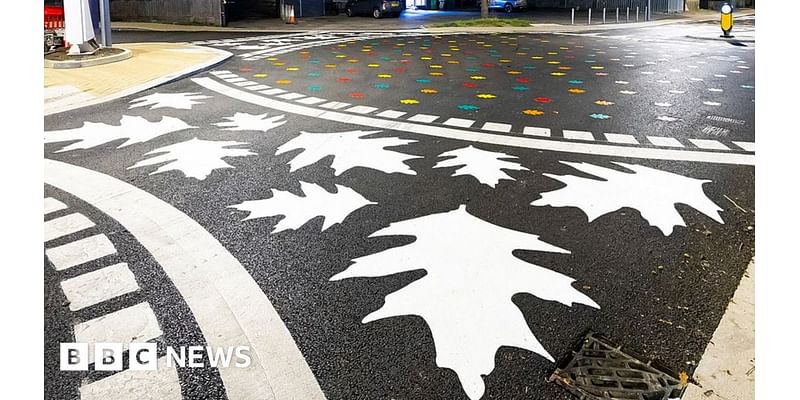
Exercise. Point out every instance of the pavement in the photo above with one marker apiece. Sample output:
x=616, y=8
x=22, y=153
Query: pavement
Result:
x=542, y=105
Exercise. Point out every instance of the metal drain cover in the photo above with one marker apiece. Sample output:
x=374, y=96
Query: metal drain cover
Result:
x=599, y=370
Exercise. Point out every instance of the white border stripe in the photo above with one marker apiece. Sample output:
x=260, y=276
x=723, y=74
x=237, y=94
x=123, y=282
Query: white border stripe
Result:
x=746, y=146
x=577, y=135
x=620, y=138
x=98, y=286
x=228, y=305
x=536, y=131
x=68, y=224
x=470, y=136
x=53, y=205
x=80, y=251
x=709, y=144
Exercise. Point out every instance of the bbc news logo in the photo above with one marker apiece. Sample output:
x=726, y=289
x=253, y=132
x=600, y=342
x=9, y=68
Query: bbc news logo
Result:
x=144, y=356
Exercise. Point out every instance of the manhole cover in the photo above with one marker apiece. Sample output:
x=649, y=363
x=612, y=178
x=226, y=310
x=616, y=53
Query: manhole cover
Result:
x=600, y=370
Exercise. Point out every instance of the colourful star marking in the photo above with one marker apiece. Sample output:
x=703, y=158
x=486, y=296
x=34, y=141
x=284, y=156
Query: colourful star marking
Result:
x=468, y=107
x=533, y=112
x=600, y=116
x=409, y=101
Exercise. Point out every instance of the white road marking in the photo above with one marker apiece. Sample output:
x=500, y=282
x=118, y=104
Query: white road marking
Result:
x=709, y=144
x=536, y=131
x=80, y=251
x=747, y=146
x=53, y=205
x=291, y=96
x=246, y=83
x=220, y=72
x=391, y=114
x=620, y=138
x=228, y=305
x=161, y=384
x=311, y=100
x=664, y=141
x=496, y=127
x=98, y=286
x=258, y=87
x=469, y=136
x=459, y=122
x=270, y=92
x=424, y=118
x=234, y=80
x=361, y=109
x=68, y=224
x=133, y=324
x=577, y=135
x=335, y=105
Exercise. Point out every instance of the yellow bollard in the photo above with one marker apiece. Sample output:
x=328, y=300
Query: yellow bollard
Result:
x=726, y=20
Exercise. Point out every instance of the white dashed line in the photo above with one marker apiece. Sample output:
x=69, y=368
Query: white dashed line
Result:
x=291, y=96
x=311, y=100
x=68, y=224
x=361, y=109
x=459, y=122
x=258, y=87
x=335, y=105
x=52, y=205
x=133, y=324
x=424, y=118
x=246, y=83
x=577, y=135
x=80, y=251
x=664, y=141
x=496, y=127
x=620, y=138
x=161, y=384
x=746, y=146
x=271, y=92
x=234, y=80
x=98, y=286
x=709, y=144
x=391, y=114
x=536, y=131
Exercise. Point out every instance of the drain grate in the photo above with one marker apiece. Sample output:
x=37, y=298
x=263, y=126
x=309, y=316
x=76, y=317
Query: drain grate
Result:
x=599, y=370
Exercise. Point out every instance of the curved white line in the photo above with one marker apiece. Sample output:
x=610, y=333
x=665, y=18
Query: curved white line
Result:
x=471, y=136
x=228, y=305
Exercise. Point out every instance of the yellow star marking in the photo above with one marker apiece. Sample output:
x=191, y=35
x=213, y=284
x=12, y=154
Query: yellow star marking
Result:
x=552, y=53
x=477, y=78
x=557, y=73
x=576, y=91
x=341, y=45
x=564, y=48
x=384, y=75
x=407, y=54
x=283, y=82
x=260, y=75
x=352, y=61
x=409, y=101
x=504, y=60
x=279, y=64
x=446, y=55
x=436, y=66
x=272, y=59
x=330, y=65
x=453, y=62
x=366, y=50
x=604, y=103
x=514, y=72
x=521, y=53
x=564, y=68
x=536, y=57
x=485, y=96
x=428, y=91
x=373, y=65
x=293, y=69
x=455, y=49
x=436, y=73
x=425, y=58
x=597, y=67
x=341, y=56
x=553, y=62
x=533, y=112
x=487, y=45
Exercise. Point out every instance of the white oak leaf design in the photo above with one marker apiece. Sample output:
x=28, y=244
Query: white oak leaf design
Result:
x=180, y=101
x=652, y=192
x=350, y=149
x=297, y=210
x=466, y=294
x=135, y=129
x=485, y=166
x=251, y=122
x=195, y=158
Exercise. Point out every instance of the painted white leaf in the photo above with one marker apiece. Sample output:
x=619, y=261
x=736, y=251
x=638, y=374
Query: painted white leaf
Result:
x=484, y=165
x=251, y=122
x=465, y=298
x=652, y=192
x=181, y=101
x=195, y=158
x=666, y=118
x=349, y=150
x=334, y=207
x=135, y=129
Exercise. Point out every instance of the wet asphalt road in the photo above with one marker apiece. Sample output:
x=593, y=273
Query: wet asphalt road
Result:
x=660, y=293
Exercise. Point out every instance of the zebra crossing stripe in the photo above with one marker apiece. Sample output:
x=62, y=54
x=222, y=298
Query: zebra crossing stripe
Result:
x=424, y=118
x=361, y=109
x=258, y=87
x=459, y=122
x=536, y=131
x=664, y=141
x=620, y=138
x=234, y=80
x=496, y=127
x=80, y=251
x=335, y=105
x=311, y=100
x=161, y=384
x=577, y=135
x=52, y=205
x=246, y=83
x=391, y=114
x=137, y=323
x=99, y=286
x=63, y=226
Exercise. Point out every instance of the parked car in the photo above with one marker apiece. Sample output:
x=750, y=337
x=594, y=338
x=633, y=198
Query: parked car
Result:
x=507, y=5
x=376, y=8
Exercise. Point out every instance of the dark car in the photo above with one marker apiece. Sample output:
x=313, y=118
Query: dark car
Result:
x=376, y=8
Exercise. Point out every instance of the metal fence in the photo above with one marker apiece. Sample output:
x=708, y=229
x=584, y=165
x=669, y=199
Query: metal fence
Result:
x=660, y=6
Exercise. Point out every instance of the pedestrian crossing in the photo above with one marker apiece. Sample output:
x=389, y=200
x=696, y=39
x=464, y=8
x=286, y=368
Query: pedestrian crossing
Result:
x=614, y=138
x=133, y=324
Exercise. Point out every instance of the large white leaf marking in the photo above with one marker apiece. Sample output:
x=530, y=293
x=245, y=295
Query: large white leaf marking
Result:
x=349, y=150
x=251, y=122
x=465, y=298
x=334, y=207
x=135, y=129
x=195, y=158
x=180, y=101
x=484, y=165
x=653, y=192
